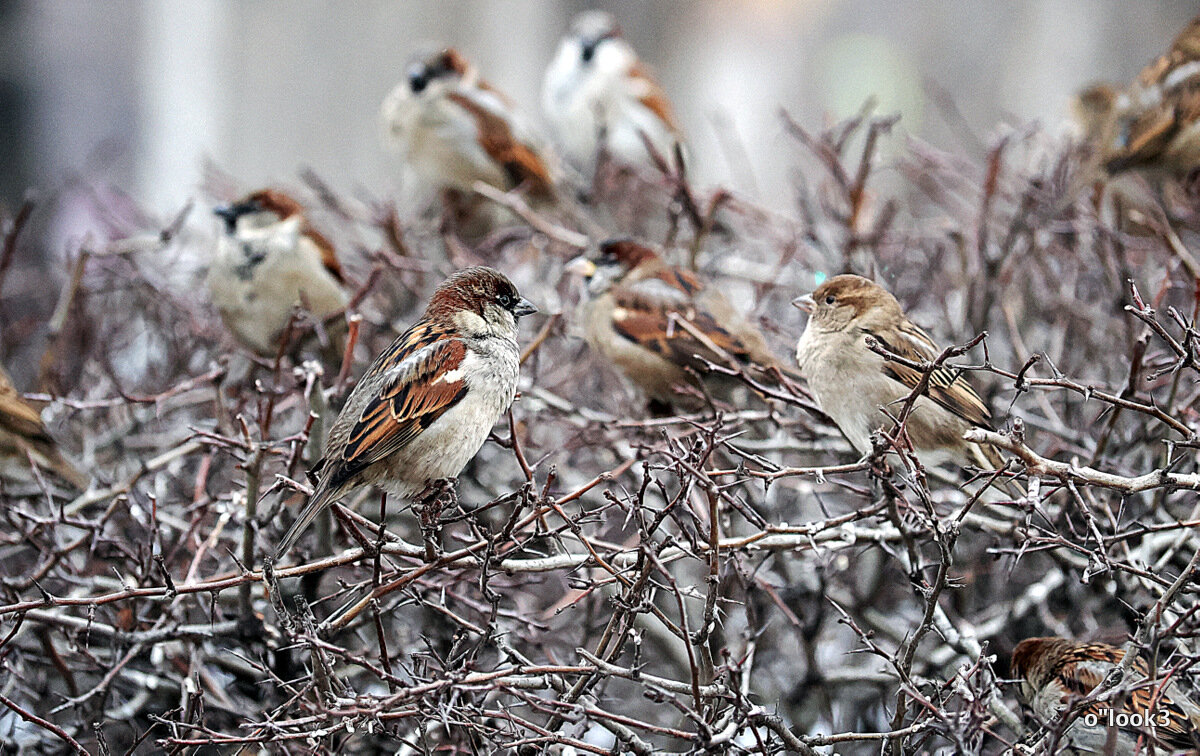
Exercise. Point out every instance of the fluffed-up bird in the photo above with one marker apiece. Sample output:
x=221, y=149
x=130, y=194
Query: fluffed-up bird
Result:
x=1056, y=672
x=426, y=405
x=269, y=259
x=24, y=437
x=455, y=129
x=662, y=325
x=597, y=92
x=855, y=385
x=1153, y=125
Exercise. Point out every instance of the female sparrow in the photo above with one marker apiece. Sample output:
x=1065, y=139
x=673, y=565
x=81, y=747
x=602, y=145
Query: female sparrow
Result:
x=597, y=92
x=268, y=260
x=1054, y=671
x=854, y=385
x=455, y=129
x=662, y=325
x=427, y=403
x=1154, y=124
x=23, y=437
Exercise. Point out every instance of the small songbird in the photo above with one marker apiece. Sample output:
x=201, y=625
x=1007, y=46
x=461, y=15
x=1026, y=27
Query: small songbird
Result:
x=1153, y=125
x=852, y=383
x=656, y=322
x=270, y=259
x=23, y=436
x=427, y=403
x=597, y=92
x=1054, y=671
x=454, y=129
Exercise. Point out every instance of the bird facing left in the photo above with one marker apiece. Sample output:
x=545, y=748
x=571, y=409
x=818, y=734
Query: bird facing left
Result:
x=426, y=405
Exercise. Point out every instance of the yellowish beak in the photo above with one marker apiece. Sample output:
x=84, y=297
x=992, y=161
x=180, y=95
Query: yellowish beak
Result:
x=581, y=266
x=805, y=303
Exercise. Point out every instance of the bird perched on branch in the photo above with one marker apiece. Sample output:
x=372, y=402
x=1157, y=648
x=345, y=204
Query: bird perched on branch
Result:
x=598, y=93
x=662, y=325
x=270, y=259
x=1055, y=672
x=24, y=438
x=427, y=403
x=455, y=129
x=1152, y=125
x=854, y=385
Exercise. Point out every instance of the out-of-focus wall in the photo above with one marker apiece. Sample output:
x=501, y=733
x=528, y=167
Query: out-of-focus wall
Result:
x=137, y=93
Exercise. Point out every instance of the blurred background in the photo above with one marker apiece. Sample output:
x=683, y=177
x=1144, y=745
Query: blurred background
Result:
x=138, y=94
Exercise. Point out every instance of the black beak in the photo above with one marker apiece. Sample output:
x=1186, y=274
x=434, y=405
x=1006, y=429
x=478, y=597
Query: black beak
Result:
x=589, y=49
x=418, y=79
x=231, y=213
x=523, y=308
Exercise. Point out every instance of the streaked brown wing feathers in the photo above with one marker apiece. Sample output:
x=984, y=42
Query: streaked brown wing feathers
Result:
x=947, y=386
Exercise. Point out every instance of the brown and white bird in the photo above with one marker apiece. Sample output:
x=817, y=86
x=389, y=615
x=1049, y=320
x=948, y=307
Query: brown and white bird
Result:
x=853, y=384
x=270, y=259
x=24, y=437
x=597, y=92
x=455, y=129
x=1055, y=671
x=427, y=403
x=656, y=322
x=1153, y=125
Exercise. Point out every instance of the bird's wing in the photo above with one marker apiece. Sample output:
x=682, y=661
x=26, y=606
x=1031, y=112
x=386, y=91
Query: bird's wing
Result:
x=423, y=380
x=649, y=312
x=947, y=386
x=652, y=97
x=520, y=162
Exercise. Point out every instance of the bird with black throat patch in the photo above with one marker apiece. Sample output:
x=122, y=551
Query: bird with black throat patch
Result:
x=426, y=405
x=269, y=260
x=857, y=387
x=599, y=94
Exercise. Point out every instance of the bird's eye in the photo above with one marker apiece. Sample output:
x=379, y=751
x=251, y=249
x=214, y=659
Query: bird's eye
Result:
x=506, y=300
x=830, y=299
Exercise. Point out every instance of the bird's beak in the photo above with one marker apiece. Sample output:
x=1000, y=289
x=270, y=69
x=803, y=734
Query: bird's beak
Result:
x=231, y=213
x=582, y=267
x=805, y=303
x=523, y=308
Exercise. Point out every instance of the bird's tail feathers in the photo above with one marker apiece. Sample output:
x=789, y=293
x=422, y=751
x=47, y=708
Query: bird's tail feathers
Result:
x=320, y=499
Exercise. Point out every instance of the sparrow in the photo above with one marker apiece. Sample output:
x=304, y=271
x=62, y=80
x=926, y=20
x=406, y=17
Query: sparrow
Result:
x=24, y=437
x=454, y=129
x=1054, y=671
x=1153, y=124
x=426, y=405
x=854, y=385
x=269, y=259
x=597, y=92
x=661, y=325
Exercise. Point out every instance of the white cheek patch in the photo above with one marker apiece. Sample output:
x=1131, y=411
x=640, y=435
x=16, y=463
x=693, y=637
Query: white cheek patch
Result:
x=469, y=322
x=620, y=313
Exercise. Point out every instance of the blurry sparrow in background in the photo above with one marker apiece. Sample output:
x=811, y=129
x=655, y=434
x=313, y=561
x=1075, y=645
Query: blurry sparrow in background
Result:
x=655, y=322
x=454, y=129
x=852, y=383
x=268, y=260
x=1055, y=671
x=598, y=93
x=23, y=436
x=1153, y=125
x=426, y=405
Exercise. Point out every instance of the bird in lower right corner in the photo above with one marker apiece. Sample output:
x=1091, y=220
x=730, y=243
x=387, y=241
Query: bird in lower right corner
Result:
x=1055, y=671
x=853, y=384
x=24, y=437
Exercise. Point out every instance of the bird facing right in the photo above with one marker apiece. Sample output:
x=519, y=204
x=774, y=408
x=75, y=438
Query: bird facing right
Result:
x=426, y=405
x=852, y=383
x=1053, y=671
x=597, y=92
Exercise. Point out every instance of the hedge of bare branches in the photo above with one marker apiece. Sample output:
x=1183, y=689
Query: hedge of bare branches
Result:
x=604, y=581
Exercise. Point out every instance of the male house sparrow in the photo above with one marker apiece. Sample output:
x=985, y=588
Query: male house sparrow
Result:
x=1154, y=124
x=852, y=383
x=598, y=92
x=1053, y=671
x=454, y=129
x=656, y=322
x=427, y=403
x=268, y=260
x=23, y=436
